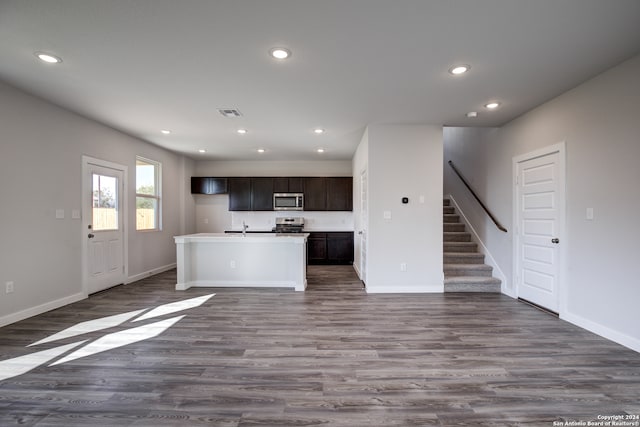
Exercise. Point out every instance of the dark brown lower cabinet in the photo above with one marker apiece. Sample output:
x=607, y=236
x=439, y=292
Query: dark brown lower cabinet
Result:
x=330, y=248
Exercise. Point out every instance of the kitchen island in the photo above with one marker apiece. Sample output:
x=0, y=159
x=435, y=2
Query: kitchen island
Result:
x=237, y=260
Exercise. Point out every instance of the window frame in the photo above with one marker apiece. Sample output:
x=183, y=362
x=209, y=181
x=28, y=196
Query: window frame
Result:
x=157, y=196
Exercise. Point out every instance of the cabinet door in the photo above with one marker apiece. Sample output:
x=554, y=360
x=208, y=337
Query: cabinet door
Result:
x=296, y=185
x=239, y=194
x=281, y=185
x=317, y=248
x=315, y=194
x=262, y=194
x=199, y=185
x=340, y=248
x=339, y=194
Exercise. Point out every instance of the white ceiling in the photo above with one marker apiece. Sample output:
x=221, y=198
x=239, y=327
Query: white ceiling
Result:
x=145, y=65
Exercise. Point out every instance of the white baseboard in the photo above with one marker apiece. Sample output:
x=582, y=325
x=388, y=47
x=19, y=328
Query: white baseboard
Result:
x=603, y=331
x=42, y=308
x=239, y=284
x=417, y=289
x=355, y=267
x=148, y=273
x=489, y=260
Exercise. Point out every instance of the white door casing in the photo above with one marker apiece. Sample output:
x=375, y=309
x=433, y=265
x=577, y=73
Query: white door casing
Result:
x=104, y=261
x=364, y=213
x=539, y=210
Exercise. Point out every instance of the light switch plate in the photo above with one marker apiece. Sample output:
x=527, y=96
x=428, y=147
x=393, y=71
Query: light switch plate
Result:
x=386, y=214
x=75, y=214
x=589, y=214
x=59, y=213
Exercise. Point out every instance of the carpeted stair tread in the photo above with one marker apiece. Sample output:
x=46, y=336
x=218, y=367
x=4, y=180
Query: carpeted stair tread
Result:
x=450, y=218
x=463, y=258
x=450, y=247
x=456, y=236
x=453, y=270
x=472, y=284
x=453, y=226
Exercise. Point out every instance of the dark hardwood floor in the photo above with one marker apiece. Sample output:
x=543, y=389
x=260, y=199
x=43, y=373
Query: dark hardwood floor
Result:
x=331, y=356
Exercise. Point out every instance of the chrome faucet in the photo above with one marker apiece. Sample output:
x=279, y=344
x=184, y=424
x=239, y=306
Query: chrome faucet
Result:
x=244, y=229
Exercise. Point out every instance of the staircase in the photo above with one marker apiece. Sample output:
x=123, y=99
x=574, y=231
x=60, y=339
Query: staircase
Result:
x=464, y=267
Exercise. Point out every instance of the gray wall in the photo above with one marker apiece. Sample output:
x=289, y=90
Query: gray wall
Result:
x=600, y=123
x=403, y=161
x=40, y=171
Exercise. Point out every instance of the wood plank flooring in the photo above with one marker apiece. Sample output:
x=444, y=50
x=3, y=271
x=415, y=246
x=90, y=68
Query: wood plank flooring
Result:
x=331, y=356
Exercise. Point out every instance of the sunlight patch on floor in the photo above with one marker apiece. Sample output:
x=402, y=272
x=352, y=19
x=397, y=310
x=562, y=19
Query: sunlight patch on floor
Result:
x=119, y=339
x=175, y=306
x=22, y=364
x=90, y=326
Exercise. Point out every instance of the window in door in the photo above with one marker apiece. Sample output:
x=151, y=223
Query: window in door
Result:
x=104, y=214
x=148, y=194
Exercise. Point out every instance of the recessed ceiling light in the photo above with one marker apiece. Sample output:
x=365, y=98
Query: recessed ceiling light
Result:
x=459, y=69
x=318, y=131
x=320, y=150
x=165, y=131
x=241, y=131
x=472, y=114
x=261, y=150
x=492, y=105
x=202, y=151
x=48, y=58
x=280, y=53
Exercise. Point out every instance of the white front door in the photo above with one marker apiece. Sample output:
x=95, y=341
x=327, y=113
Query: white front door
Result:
x=539, y=213
x=103, y=225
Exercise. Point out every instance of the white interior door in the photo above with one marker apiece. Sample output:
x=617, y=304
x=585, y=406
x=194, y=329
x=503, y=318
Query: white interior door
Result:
x=539, y=210
x=104, y=227
x=364, y=214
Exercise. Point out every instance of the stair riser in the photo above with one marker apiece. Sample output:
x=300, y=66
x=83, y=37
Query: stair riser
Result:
x=451, y=237
x=453, y=226
x=446, y=202
x=472, y=288
x=460, y=247
x=449, y=273
x=450, y=218
x=448, y=210
x=456, y=259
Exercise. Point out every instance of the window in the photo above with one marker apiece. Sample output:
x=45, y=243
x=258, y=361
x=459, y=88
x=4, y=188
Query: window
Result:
x=148, y=215
x=105, y=203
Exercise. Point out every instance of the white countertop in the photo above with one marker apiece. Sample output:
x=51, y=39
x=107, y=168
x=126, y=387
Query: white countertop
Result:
x=240, y=238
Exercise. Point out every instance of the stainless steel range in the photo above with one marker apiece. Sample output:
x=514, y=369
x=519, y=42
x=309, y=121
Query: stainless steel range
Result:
x=289, y=225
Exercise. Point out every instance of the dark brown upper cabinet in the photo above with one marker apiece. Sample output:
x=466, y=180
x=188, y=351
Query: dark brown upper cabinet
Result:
x=315, y=194
x=261, y=194
x=208, y=185
x=240, y=194
x=320, y=193
x=251, y=194
x=339, y=194
x=288, y=185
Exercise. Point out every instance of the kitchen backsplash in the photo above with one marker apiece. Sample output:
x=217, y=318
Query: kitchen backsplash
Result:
x=213, y=216
x=313, y=221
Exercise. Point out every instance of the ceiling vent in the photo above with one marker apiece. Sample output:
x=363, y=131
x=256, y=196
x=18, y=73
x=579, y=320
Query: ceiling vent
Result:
x=230, y=112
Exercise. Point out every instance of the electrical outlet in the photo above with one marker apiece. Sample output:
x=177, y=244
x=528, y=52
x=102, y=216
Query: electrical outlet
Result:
x=403, y=266
x=232, y=264
x=9, y=287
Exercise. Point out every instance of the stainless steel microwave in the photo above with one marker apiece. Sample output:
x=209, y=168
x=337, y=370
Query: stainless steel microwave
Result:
x=288, y=201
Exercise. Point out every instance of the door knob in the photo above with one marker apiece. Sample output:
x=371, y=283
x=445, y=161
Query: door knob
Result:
x=555, y=240
x=91, y=235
